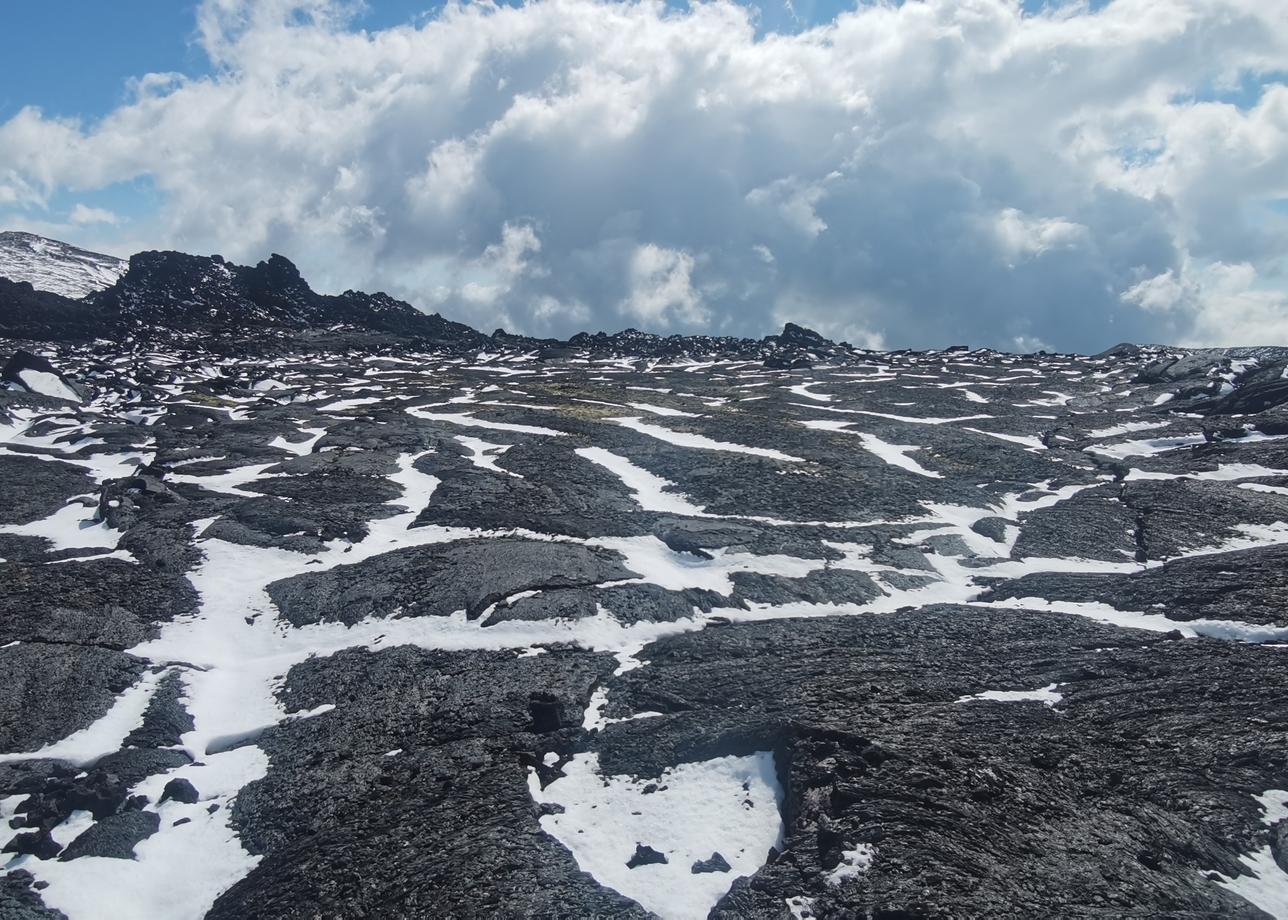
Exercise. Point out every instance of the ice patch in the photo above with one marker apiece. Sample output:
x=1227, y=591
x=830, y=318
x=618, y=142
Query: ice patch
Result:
x=1145, y=448
x=73, y=526
x=1125, y=428
x=1023, y=440
x=1225, y=472
x=728, y=805
x=178, y=872
x=650, y=492
x=801, y=907
x=47, y=384
x=1262, y=487
x=1267, y=886
x=661, y=410
x=803, y=389
x=898, y=418
x=893, y=454
x=483, y=455
x=229, y=481
x=854, y=862
x=1231, y=630
x=103, y=736
x=299, y=448
x=344, y=405
x=1046, y=695
x=465, y=420
x=699, y=442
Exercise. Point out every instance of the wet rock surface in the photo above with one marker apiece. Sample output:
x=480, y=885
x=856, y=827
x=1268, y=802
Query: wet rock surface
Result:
x=358, y=613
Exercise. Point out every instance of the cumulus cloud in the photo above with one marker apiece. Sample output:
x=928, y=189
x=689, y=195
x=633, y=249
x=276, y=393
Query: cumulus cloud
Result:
x=82, y=214
x=661, y=289
x=912, y=174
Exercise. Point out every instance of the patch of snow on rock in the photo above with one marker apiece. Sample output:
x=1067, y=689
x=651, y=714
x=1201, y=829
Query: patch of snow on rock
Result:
x=728, y=805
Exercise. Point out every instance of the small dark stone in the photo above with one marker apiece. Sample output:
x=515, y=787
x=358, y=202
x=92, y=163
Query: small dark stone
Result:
x=547, y=714
x=716, y=863
x=34, y=843
x=992, y=527
x=645, y=856
x=180, y=790
x=100, y=793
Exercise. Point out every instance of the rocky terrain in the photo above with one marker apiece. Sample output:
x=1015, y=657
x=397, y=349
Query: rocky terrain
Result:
x=50, y=265
x=319, y=607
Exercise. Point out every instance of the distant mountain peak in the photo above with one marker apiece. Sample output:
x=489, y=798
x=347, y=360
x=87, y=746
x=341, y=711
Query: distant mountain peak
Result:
x=56, y=267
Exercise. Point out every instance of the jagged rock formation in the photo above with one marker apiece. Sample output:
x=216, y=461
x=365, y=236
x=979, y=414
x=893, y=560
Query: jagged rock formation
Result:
x=316, y=607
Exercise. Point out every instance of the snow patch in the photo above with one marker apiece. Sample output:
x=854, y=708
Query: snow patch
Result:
x=1046, y=695
x=728, y=805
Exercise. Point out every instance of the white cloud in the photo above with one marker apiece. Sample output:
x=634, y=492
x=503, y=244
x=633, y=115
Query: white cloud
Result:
x=83, y=214
x=1161, y=293
x=920, y=173
x=1225, y=304
x=1020, y=236
x=661, y=289
x=795, y=202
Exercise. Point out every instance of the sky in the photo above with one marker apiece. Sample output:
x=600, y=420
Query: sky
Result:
x=1063, y=174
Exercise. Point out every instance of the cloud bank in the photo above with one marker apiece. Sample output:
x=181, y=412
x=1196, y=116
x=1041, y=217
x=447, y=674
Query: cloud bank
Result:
x=911, y=174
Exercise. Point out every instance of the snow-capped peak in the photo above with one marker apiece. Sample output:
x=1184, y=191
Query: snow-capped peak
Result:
x=60, y=268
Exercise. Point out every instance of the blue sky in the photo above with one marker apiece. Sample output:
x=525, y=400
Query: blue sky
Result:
x=1019, y=174
x=82, y=71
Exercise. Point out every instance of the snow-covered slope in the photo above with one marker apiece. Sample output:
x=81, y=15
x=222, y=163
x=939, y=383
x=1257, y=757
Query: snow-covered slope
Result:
x=60, y=268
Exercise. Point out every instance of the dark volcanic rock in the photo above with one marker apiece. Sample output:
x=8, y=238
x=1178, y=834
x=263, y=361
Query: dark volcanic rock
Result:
x=196, y=293
x=387, y=838
x=180, y=790
x=438, y=580
x=17, y=899
x=33, y=843
x=165, y=720
x=50, y=691
x=25, y=370
x=46, y=487
x=108, y=602
x=131, y=765
x=716, y=863
x=114, y=837
x=864, y=712
x=1279, y=844
x=1248, y=400
x=1246, y=585
x=26, y=313
x=645, y=856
